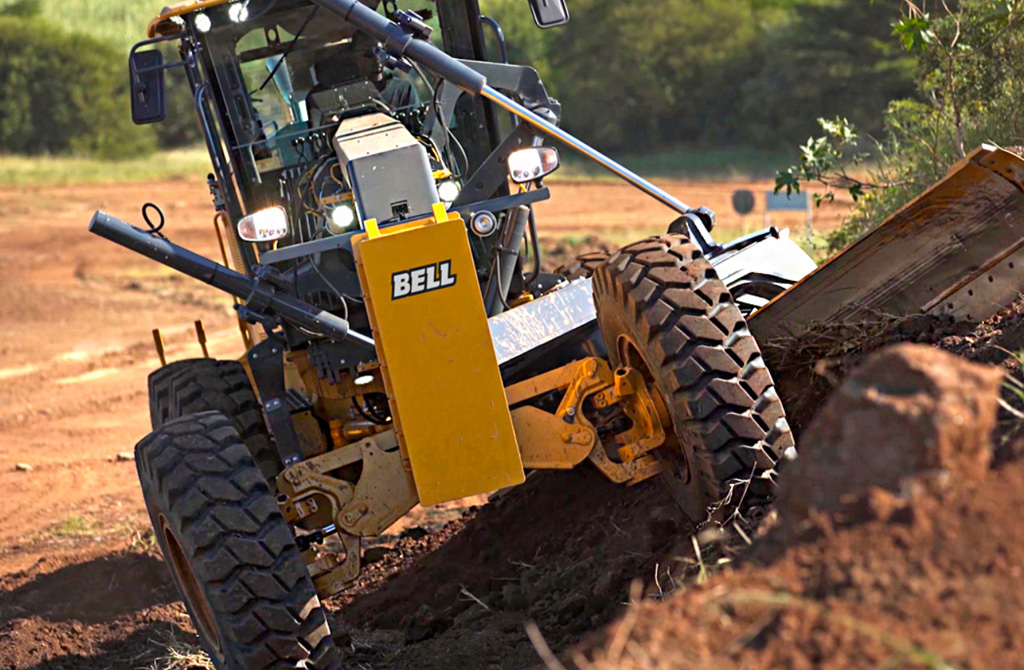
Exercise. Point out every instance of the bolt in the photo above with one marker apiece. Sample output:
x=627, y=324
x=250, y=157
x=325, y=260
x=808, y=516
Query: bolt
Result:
x=570, y=411
x=566, y=437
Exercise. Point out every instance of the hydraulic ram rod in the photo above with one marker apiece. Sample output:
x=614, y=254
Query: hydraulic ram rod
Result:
x=400, y=42
x=280, y=305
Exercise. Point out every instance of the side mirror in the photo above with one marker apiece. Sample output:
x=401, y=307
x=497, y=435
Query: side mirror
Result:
x=549, y=13
x=149, y=100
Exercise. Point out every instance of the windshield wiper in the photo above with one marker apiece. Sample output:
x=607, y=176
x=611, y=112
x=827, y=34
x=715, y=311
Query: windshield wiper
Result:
x=287, y=51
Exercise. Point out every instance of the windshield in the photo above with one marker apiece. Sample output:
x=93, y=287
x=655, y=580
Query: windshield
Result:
x=289, y=72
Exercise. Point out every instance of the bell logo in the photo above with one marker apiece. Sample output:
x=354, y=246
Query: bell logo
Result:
x=422, y=280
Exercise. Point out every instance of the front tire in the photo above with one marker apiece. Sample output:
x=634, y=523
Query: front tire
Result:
x=662, y=310
x=207, y=385
x=232, y=555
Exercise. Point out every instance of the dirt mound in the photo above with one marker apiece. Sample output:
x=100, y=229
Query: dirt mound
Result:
x=908, y=410
x=561, y=550
x=938, y=587
x=935, y=585
x=808, y=367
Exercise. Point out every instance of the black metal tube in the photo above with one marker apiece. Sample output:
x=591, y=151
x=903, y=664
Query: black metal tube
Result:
x=398, y=42
x=283, y=306
x=506, y=260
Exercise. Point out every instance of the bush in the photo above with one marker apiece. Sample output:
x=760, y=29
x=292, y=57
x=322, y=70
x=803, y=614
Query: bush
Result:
x=63, y=93
x=640, y=76
x=970, y=68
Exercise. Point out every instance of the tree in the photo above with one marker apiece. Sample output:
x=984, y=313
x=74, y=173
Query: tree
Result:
x=970, y=69
x=63, y=93
x=837, y=57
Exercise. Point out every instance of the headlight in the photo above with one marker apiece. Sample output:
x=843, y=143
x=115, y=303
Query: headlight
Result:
x=342, y=217
x=239, y=12
x=203, y=23
x=448, y=191
x=265, y=225
x=528, y=165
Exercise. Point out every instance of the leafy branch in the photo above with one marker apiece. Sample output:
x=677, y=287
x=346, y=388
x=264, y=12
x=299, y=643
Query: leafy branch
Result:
x=826, y=160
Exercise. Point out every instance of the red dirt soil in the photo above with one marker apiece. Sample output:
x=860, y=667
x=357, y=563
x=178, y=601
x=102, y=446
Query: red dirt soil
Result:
x=81, y=588
x=921, y=571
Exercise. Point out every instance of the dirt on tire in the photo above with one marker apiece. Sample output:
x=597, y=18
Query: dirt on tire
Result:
x=234, y=559
x=672, y=318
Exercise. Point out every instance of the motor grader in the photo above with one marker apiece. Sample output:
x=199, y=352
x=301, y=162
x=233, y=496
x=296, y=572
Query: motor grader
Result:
x=374, y=197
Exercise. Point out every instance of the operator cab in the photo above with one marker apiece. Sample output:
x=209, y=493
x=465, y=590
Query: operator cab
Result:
x=316, y=132
x=289, y=76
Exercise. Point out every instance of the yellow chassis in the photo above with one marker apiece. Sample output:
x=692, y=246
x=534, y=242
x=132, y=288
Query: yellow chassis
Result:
x=359, y=478
x=311, y=493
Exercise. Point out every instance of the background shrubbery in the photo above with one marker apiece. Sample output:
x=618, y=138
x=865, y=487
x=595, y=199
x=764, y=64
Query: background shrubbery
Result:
x=62, y=92
x=642, y=76
x=632, y=75
x=969, y=91
x=64, y=81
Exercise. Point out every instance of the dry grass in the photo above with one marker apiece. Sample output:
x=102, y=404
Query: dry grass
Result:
x=178, y=654
x=75, y=526
x=24, y=171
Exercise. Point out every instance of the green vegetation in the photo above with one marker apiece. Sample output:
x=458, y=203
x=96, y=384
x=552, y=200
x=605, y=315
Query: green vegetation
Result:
x=62, y=93
x=969, y=91
x=633, y=76
x=638, y=76
x=118, y=23
x=17, y=171
x=74, y=526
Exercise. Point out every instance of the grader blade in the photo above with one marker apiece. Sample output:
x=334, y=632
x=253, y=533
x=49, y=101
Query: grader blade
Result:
x=957, y=249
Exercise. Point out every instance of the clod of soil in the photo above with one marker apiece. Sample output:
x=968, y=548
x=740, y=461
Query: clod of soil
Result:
x=909, y=409
x=937, y=585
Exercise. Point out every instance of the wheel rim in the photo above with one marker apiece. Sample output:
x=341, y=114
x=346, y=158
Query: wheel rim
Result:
x=676, y=455
x=186, y=578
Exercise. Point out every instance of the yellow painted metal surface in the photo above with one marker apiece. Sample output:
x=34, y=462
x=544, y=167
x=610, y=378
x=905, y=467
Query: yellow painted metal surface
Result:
x=956, y=249
x=188, y=6
x=162, y=24
x=451, y=416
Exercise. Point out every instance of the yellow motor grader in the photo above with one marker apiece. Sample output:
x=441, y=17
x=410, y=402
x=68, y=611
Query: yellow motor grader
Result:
x=374, y=196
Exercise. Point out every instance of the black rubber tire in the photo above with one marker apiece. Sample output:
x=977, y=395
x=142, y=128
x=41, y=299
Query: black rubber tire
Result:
x=663, y=300
x=209, y=503
x=583, y=266
x=207, y=385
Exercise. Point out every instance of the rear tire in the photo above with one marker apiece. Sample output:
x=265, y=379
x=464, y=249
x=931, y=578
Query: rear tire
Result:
x=207, y=385
x=232, y=555
x=662, y=309
x=583, y=266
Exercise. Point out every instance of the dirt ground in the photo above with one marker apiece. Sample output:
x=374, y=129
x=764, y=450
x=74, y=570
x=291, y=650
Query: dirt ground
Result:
x=80, y=584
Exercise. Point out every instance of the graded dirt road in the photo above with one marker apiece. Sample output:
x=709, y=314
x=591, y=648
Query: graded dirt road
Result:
x=76, y=316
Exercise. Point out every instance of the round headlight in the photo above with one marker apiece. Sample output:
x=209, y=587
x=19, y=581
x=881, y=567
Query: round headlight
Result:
x=342, y=218
x=203, y=23
x=448, y=191
x=239, y=12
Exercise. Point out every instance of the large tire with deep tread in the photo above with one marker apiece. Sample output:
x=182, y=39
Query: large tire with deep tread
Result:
x=249, y=593
x=583, y=265
x=661, y=300
x=207, y=385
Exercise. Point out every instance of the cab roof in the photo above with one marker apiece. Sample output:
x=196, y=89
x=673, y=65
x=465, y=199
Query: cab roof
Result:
x=163, y=26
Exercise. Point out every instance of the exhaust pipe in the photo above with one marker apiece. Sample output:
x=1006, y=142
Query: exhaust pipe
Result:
x=259, y=297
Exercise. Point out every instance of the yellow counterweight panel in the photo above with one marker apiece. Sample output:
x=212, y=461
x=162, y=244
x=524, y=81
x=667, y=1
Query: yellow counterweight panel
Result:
x=451, y=416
